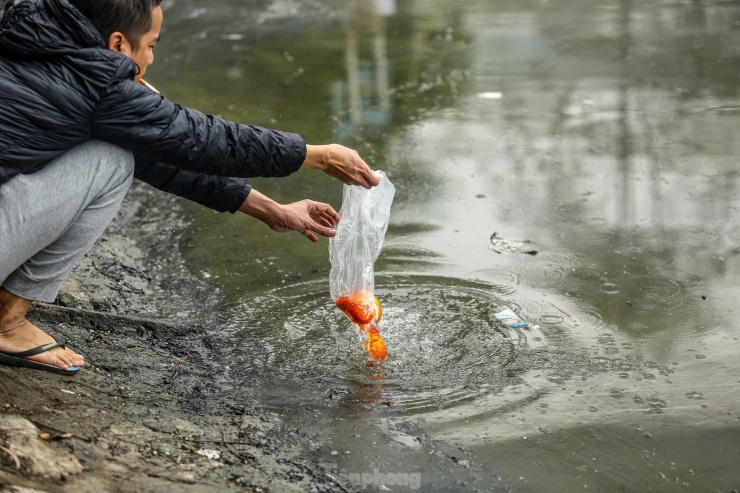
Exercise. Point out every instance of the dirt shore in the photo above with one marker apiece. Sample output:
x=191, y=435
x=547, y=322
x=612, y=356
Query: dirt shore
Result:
x=151, y=411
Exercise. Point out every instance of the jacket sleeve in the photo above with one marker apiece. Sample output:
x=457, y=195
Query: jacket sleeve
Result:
x=216, y=192
x=133, y=117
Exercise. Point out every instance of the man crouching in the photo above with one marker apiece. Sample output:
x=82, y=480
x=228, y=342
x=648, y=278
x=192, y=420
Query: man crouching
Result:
x=78, y=125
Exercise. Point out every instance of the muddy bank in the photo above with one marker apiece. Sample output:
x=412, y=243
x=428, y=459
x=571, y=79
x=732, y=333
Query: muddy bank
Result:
x=152, y=410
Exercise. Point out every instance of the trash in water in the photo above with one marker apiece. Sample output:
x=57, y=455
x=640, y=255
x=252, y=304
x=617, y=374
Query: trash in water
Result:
x=499, y=245
x=519, y=332
x=364, y=217
x=509, y=319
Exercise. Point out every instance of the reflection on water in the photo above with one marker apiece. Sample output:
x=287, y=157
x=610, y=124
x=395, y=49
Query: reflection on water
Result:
x=603, y=132
x=363, y=101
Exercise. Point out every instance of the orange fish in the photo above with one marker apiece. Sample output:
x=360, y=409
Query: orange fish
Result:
x=375, y=345
x=365, y=311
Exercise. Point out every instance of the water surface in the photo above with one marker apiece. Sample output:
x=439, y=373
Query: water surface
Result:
x=605, y=133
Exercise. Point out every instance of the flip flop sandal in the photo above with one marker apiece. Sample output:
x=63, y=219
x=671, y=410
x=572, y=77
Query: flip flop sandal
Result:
x=19, y=359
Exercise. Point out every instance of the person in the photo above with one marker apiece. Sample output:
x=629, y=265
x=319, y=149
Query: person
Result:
x=77, y=122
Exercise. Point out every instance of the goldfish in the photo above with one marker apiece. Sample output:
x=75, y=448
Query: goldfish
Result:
x=365, y=311
x=374, y=343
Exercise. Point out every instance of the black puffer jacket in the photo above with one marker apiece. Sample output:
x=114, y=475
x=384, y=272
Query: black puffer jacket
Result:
x=60, y=86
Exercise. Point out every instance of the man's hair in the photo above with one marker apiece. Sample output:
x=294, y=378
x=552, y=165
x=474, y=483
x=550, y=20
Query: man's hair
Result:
x=132, y=18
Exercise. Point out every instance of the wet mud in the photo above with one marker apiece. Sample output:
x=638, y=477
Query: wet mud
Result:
x=153, y=409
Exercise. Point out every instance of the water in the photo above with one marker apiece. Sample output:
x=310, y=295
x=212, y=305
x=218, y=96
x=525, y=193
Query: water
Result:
x=604, y=133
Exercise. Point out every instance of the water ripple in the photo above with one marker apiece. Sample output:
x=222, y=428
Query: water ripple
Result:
x=547, y=270
x=444, y=348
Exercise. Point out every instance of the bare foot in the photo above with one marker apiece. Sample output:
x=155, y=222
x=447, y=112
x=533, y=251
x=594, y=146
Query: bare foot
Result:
x=18, y=334
x=24, y=336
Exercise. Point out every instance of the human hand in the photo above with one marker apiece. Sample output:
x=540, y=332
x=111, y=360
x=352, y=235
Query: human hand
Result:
x=306, y=217
x=342, y=163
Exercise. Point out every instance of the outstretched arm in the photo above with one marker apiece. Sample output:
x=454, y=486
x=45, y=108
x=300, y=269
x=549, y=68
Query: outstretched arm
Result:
x=219, y=193
x=228, y=194
x=307, y=217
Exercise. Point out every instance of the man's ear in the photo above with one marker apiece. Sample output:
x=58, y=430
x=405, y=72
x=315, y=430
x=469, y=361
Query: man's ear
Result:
x=118, y=42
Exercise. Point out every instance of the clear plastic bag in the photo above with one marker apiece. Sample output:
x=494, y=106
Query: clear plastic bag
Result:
x=364, y=217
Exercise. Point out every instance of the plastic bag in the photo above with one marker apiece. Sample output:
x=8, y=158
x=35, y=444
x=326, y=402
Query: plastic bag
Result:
x=364, y=217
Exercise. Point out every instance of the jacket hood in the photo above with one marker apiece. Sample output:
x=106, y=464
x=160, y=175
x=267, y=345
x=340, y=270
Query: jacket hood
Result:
x=42, y=28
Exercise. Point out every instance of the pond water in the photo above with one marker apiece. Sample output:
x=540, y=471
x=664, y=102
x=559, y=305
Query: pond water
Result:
x=602, y=133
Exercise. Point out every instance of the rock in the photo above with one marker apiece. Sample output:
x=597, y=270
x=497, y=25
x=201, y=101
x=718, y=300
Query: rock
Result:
x=38, y=457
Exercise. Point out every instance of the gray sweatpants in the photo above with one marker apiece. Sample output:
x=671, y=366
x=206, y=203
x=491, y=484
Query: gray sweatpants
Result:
x=51, y=218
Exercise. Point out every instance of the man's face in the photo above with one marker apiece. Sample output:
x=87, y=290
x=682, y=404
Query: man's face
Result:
x=144, y=55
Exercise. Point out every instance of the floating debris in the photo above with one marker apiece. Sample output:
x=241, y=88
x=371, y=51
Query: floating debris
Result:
x=500, y=245
x=509, y=319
